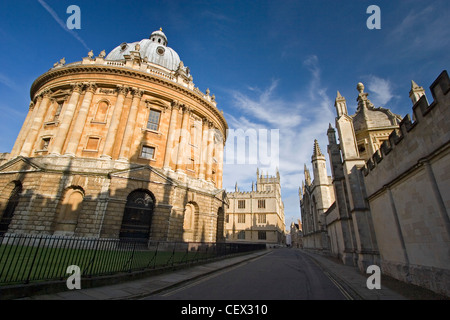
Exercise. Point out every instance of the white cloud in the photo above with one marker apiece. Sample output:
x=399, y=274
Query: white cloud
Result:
x=299, y=124
x=267, y=108
x=381, y=90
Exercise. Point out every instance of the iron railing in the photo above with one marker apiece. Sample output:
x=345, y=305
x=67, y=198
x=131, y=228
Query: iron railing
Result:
x=32, y=258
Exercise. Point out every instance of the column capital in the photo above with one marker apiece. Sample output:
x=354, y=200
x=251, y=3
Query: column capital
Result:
x=122, y=90
x=46, y=93
x=77, y=87
x=205, y=121
x=91, y=87
x=175, y=105
x=185, y=109
x=137, y=93
x=38, y=98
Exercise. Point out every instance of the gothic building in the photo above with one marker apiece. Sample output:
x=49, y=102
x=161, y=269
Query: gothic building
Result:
x=119, y=145
x=387, y=201
x=316, y=196
x=257, y=215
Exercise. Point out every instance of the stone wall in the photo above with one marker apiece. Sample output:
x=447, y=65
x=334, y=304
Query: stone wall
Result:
x=408, y=184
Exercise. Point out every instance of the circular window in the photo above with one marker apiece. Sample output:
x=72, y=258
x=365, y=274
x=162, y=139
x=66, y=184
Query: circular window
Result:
x=160, y=50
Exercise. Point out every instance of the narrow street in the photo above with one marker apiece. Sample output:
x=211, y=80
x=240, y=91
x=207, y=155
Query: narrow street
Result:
x=283, y=274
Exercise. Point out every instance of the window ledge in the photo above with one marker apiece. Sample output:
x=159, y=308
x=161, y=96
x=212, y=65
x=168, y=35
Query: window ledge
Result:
x=51, y=123
x=152, y=131
x=141, y=158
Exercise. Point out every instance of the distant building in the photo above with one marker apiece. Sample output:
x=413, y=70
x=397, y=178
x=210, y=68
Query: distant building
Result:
x=388, y=200
x=296, y=235
x=257, y=215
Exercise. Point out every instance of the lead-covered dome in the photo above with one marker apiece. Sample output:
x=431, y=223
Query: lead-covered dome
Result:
x=155, y=49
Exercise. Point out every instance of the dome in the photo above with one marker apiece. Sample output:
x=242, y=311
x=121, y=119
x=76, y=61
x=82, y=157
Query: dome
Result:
x=154, y=49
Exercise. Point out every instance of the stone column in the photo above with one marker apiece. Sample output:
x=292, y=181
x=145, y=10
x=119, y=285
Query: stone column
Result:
x=24, y=130
x=114, y=125
x=181, y=156
x=124, y=154
x=36, y=125
x=172, y=135
x=220, y=162
x=204, y=147
x=209, y=155
x=64, y=126
x=80, y=120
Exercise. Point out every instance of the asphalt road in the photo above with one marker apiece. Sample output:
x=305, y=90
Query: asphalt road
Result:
x=283, y=274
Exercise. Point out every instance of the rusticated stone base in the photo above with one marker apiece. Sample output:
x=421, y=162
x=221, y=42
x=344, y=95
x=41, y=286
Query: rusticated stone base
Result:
x=105, y=186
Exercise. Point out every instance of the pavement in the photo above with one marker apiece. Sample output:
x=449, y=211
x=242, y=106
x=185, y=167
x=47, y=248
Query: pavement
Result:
x=347, y=278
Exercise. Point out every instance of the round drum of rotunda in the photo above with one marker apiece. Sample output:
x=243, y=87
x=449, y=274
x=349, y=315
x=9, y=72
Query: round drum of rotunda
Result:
x=118, y=145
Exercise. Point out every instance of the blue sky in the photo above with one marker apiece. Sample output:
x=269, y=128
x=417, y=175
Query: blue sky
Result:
x=272, y=65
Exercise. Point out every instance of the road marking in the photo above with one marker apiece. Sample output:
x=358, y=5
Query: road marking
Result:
x=345, y=293
x=341, y=289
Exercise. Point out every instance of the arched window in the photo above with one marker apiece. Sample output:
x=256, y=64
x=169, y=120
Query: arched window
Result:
x=102, y=112
x=8, y=213
x=137, y=217
x=69, y=212
x=190, y=212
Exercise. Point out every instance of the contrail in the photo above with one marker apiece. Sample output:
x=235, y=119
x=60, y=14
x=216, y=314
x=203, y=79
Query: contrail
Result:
x=62, y=24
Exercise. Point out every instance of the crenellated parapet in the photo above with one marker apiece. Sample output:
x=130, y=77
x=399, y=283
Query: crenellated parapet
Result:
x=418, y=137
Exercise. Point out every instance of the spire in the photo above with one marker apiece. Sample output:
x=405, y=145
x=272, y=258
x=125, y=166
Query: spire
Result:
x=236, y=187
x=307, y=176
x=316, y=151
x=331, y=135
x=341, y=105
x=416, y=92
